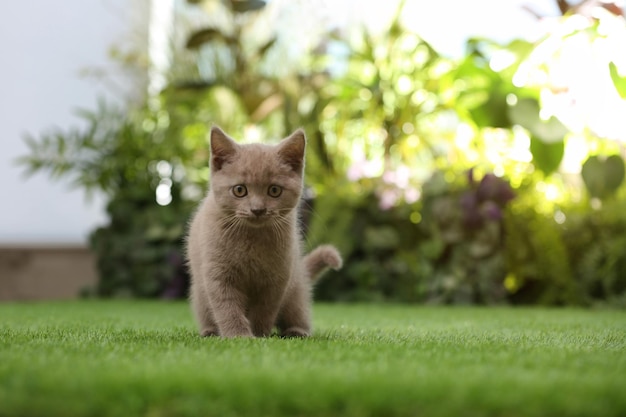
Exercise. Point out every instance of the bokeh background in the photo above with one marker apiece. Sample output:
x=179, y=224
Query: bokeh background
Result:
x=459, y=152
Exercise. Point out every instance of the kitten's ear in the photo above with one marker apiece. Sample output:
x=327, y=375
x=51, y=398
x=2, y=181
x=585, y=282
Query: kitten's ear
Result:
x=291, y=150
x=222, y=148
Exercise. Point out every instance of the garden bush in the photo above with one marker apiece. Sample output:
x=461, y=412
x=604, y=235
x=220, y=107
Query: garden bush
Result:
x=440, y=180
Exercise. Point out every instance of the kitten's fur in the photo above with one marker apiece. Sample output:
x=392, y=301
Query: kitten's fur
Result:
x=247, y=271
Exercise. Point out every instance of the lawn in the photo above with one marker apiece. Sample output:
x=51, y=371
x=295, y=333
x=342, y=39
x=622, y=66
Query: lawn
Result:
x=125, y=358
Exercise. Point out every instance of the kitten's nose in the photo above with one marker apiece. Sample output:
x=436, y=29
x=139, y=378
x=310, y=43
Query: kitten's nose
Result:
x=259, y=212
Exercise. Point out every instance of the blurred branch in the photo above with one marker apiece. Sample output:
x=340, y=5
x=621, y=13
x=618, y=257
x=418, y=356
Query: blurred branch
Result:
x=583, y=8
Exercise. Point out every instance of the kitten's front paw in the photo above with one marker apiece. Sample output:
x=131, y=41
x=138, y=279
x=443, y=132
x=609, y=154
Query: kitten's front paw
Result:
x=208, y=332
x=295, y=332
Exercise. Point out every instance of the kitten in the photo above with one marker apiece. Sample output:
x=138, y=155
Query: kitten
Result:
x=247, y=271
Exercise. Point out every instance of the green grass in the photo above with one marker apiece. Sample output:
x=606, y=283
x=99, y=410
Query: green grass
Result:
x=124, y=358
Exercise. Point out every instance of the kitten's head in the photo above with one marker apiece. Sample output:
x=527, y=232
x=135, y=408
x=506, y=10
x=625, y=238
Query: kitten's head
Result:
x=257, y=184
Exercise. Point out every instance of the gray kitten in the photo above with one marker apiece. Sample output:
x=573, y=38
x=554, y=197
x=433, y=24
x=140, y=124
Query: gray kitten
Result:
x=248, y=274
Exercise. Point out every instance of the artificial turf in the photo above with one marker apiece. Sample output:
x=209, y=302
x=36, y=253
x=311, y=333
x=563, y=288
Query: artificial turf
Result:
x=125, y=358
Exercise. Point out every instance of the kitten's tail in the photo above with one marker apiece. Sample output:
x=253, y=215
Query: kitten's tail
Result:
x=319, y=259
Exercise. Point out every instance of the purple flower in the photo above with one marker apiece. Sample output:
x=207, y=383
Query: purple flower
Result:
x=492, y=188
x=491, y=211
x=472, y=217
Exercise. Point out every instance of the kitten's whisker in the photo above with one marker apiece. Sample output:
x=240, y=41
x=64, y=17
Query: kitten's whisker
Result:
x=313, y=212
x=280, y=227
x=230, y=224
x=276, y=228
x=229, y=228
x=284, y=228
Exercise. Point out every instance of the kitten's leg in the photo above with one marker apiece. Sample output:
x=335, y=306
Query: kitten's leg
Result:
x=228, y=306
x=262, y=321
x=202, y=311
x=295, y=314
x=264, y=312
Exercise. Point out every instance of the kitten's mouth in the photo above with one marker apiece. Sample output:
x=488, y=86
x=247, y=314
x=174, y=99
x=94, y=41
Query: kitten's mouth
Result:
x=258, y=221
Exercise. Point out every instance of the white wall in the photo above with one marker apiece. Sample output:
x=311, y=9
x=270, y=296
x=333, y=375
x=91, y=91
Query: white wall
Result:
x=44, y=47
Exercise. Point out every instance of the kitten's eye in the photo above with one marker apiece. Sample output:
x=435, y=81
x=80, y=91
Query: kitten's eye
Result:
x=274, y=191
x=240, y=191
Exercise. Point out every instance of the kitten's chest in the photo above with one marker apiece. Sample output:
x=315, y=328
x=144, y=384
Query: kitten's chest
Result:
x=259, y=261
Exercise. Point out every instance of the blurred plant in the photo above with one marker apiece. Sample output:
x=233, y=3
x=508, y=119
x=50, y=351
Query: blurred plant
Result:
x=446, y=248
x=227, y=75
x=393, y=127
x=224, y=56
x=237, y=50
x=603, y=176
x=380, y=248
x=380, y=109
x=465, y=225
x=595, y=242
x=152, y=162
x=141, y=176
x=492, y=109
x=538, y=263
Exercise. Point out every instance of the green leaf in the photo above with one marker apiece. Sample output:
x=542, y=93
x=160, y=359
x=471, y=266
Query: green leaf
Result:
x=618, y=81
x=593, y=176
x=492, y=112
x=263, y=49
x=242, y=6
x=615, y=172
x=603, y=176
x=203, y=36
x=381, y=238
x=526, y=114
x=484, y=94
x=546, y=156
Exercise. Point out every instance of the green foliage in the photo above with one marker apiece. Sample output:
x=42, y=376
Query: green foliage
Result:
x=380, y=248
x=603, y=176
x=618, y=81
x=384, y=106
x=139, y=253
x=546, y=156
x=478, y=93
x=447, y=249
x=596, y=242
x=393, y=127
x=547, y=144
x=526, y=113
x=152, y=162
x=464, y=222
x=127, y=157
x=221, y=58
x=538, y=262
